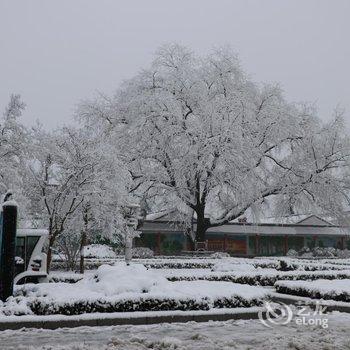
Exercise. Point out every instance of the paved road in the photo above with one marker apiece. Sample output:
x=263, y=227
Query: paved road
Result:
x=240, y=334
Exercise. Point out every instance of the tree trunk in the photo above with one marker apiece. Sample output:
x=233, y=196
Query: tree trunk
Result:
x=49, y=252
x=82, y=245
x=202, y=225
x=84, y=237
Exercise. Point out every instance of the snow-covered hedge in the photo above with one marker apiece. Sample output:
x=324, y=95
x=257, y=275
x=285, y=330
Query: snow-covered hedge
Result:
x=65, y=277
x=94, y=264
x=319, y=289
x=263, y=279
x=291, y=265
x=226, y=265
x=43, y=306
x=179, y=265
x=288, y=264
x=90, y=263
x=129, y=288
x=229, y=265
x=77, y=307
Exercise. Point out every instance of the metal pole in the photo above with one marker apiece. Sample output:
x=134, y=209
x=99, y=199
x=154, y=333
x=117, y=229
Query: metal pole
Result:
x=7, y=254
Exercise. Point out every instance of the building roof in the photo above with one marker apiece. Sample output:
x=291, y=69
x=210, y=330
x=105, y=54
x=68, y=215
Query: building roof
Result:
x=293, y=225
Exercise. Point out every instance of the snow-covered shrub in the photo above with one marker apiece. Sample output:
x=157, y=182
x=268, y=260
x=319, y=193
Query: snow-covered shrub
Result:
x=292, y=253
x=308, y=255
x=142, y=252
x=111, y=280
x=285, y=265
x=99, y=251
x=219, y=255
x=265, y=264
x=15, y=306
x=323, y=252
x=344, y=254
x=304, y=250
x=328, y=252
x=226, y=265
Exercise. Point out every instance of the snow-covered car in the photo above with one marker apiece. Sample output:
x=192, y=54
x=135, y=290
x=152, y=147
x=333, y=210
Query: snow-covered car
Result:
x=30, y=259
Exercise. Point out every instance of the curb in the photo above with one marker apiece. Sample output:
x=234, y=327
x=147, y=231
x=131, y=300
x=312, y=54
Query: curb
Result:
x=66, y=323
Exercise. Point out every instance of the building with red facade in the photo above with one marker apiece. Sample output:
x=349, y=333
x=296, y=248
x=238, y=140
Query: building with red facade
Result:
x=163, y=234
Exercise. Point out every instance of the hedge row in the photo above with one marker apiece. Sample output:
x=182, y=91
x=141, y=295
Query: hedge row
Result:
x=179, y=265
x=285, y=265
x=314, y=294
x=65, y=278
x=43, y=306
x=89, y=265
x=92, y=265
x=261, y=279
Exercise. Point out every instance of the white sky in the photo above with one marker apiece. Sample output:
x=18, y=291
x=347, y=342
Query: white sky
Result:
x=57, y=52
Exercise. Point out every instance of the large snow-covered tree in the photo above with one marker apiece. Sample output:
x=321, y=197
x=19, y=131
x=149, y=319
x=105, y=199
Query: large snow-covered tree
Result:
x=200, y=135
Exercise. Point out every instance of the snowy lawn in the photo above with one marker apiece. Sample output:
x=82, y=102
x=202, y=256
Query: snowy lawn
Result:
x=239, y=335
x=321, y=289
x=129, y=288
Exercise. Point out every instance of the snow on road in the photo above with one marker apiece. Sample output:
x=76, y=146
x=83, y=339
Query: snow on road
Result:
x=186, y=336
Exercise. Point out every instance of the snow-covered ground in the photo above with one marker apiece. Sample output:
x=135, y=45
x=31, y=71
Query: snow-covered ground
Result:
x=239, y=335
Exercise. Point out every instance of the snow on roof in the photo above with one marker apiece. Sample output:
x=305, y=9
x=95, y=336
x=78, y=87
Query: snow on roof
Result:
x=295, y=219
x=302, y=219
x=279, y=230
x=302, y=224
x=157, y=215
